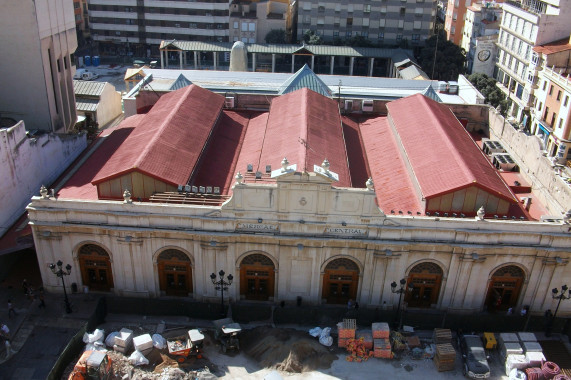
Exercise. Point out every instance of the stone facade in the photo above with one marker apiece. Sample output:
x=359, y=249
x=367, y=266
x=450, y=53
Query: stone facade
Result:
x=303, y=237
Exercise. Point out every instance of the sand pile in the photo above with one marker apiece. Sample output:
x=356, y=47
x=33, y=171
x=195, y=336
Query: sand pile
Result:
x=285, y=349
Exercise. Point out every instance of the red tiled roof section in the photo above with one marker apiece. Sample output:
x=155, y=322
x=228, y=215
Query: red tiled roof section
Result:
x=393, y=184
x=441, y=152
x=221, y=156
x=553, y=47
x=168, y=142
x=305, y=127
x=355, y=152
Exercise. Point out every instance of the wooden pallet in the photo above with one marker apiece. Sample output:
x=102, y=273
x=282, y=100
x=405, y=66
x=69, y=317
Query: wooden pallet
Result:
x=442, y=336
x=347, y=328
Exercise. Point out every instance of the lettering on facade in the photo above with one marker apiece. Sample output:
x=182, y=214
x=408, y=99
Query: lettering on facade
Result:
x=257, y=227
x=345, y=231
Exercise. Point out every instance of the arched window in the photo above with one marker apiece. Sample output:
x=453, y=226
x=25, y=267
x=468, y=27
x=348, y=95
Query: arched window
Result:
x=340, y=281
x=175, y=273
x=257, y=277
x=425, y=278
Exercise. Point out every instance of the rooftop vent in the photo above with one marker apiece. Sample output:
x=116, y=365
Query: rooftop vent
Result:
x=367, y=106
x=194, y=189
x=258, y=175
x=268, y=168
x=503, y=161
x=250, y=168
x=490, y=147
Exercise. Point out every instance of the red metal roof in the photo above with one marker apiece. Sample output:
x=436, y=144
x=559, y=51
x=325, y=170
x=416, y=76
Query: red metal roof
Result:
x=305, y=127
x=441, y=152
x=553, y=47
x=393, y=184
x=167, y=143
x=356, y=155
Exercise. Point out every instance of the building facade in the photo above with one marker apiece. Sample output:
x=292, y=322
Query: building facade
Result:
x=37, y=40
x=137, y=28
x=300, y=201
x=551, y=109
x=524, y=26
x=393, y=22
x=250, y=22
x=479, y=37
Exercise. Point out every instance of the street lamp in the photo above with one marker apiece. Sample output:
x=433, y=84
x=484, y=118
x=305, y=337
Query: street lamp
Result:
x=401, y=290
x=221, y=285
x=60, y=272
x=555, y=294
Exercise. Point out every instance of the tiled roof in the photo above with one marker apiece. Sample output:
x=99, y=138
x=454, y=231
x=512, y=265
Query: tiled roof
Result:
x=168, y=141
x=441, y=153
x=553, y=47
x=179, y=83
x=88, y=88
x=430, y=93
x=304, y=78
x=412, y=72
x=393, y=184
x=89, y=105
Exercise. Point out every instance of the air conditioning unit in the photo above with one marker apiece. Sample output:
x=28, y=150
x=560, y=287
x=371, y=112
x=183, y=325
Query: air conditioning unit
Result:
x=348, y=105
x=229, y=102
x=490, y=147
x=503, y=161
x=367, y=106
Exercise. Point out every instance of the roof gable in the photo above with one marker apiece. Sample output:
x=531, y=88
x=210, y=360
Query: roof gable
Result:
x=304, y=78
x=88, y=88
x=179, y=83
x=441, y=153
x=167, y=143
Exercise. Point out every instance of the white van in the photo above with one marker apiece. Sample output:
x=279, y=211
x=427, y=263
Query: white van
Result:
x=84, y=74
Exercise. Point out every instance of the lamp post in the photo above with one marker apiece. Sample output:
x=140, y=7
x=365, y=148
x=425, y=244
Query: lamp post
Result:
x=221, y=285
x=401, y=290
x=61, y=273
x=555, y=294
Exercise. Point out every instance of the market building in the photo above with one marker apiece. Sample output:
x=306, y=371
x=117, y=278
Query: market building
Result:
x=301, y=201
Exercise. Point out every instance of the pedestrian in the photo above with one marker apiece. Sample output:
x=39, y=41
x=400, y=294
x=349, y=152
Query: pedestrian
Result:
x=42, y=304
x=4, y=331
x=350, y=304
x=548, y=322
x=11, y=310
x=510, y=311
x=8, y=348
x=523, y=311
x=25, y=286
x=356, y=305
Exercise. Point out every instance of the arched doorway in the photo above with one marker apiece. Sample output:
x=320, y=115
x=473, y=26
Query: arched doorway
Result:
x=340, y=281
x=425, y=278
x=175, y=273
x=95, y=266
x=257, y=277
x=505, y=286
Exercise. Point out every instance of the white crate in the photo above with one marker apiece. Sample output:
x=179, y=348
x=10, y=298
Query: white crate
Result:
x=143, y=342
x=124, y=338
x=527, y=337
x=532, y=347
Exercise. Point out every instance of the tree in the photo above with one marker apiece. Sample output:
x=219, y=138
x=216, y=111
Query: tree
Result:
x=311, y=38
x=492, y=94
x=359, y=41
x=449, y=62
x=276, y=36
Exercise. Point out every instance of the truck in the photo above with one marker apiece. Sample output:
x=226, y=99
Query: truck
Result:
x=92, y=365
x=187, y=345
x=84, y=74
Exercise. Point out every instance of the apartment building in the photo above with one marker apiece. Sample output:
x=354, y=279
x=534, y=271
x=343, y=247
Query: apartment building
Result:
x=551, y=110
x=37, y=41
x=479, y=36
x=391, y=22
x=251, y=21
x=524, y=26
x=137, y=27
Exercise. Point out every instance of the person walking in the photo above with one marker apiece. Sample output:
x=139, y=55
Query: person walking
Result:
x=4, y=331
x=11, y=310
x=9, y=351
x=25, y=286
x=42, y=304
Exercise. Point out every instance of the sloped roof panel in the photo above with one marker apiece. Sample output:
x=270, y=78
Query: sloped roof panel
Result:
x=441, y=152
x=393, y=184
x=168, y=142
x=89, y=105
x=88, y=88
x=304, y=78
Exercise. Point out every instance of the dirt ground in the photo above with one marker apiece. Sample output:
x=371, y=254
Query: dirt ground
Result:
x=264, y=352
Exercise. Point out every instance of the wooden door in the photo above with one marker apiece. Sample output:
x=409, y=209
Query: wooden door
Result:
x=95, y=268
x=257, y=277
x=426, y=279
x=340, y=281
x=504, y=289
x=175, y=273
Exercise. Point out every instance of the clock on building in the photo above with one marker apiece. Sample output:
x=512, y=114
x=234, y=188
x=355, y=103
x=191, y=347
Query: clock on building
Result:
x=484, y=55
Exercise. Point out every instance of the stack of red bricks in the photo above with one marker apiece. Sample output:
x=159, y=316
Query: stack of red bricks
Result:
x=346, y=330
x=382, y=348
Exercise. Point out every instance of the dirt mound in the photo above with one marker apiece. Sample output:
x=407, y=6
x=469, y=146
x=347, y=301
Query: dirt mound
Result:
x=286, y=349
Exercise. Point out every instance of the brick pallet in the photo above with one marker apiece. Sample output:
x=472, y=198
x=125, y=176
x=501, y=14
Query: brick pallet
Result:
x=445, y=357
x=367, y=338
x=382, y=348
x=380, y=330
x=346, y=330
x=442, y=336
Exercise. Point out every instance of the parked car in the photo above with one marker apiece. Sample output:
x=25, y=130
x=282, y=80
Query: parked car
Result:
x=475, y=362
x=84, y=74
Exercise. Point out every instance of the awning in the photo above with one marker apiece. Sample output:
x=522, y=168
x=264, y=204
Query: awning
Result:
x=544, y=129
x=80, y=118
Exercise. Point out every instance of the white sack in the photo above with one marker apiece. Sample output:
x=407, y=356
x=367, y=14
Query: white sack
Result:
x=315, y=332
x=110, y=340
x=138, y=358
x=159, y=342
x=325, y=338
x=95, y=336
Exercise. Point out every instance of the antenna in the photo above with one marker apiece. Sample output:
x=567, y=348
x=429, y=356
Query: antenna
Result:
x=435, y=50
x=305, y=144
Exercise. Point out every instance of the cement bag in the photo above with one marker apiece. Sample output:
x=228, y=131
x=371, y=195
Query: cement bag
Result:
x=325, y=338
x=95, y=346
x=96, y=336
x=315, y=332
x=110, y=340
x=159, y=342
x=137, y=358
